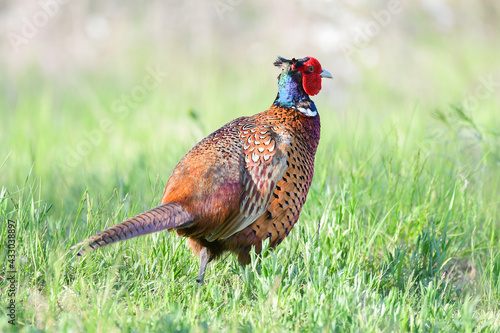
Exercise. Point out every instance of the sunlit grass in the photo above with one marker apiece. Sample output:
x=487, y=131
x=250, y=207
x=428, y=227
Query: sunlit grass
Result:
x=399, y=232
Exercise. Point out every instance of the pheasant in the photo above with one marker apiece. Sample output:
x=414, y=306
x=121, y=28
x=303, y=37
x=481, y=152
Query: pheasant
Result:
x=245, y=182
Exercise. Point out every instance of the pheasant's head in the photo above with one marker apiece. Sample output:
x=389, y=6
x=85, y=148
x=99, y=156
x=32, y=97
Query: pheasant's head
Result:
x=307, y=70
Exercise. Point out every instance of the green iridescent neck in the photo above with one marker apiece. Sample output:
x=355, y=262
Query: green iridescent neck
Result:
x=290, y=90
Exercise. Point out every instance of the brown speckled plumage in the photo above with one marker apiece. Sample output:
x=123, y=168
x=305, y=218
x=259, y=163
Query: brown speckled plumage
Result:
x=242, y=184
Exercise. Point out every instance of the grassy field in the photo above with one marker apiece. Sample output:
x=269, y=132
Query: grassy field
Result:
x=400, y=231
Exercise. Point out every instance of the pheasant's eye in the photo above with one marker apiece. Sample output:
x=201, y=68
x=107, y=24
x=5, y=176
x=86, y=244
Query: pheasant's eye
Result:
x=310, y=68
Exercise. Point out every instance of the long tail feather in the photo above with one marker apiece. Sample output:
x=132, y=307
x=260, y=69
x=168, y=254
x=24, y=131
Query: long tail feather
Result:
x=166, y=216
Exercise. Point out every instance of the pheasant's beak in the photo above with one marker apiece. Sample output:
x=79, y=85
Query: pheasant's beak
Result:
x=326, y=74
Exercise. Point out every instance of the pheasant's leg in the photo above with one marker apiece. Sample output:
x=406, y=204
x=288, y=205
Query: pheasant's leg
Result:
x=204, y=259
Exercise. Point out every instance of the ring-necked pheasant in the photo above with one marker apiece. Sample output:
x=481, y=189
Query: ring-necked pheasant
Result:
x=243, y=183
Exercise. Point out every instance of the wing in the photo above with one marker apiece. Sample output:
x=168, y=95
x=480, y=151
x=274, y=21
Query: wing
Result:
x=265, y=162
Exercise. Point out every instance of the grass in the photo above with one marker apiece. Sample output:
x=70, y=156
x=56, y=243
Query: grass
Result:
x=399, y=231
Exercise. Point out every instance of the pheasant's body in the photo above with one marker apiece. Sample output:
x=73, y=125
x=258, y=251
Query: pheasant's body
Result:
x=251, y=177
x=245, y=182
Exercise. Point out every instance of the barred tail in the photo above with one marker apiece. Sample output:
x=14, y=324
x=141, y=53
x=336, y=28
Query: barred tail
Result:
x=166, y=216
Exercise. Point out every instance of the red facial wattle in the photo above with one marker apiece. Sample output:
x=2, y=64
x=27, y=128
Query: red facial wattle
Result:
x=311, y=76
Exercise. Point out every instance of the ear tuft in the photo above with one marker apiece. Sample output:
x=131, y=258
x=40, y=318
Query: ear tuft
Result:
x=280, y=61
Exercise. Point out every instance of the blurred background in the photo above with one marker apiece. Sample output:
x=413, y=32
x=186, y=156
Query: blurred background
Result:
x=92, y=91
